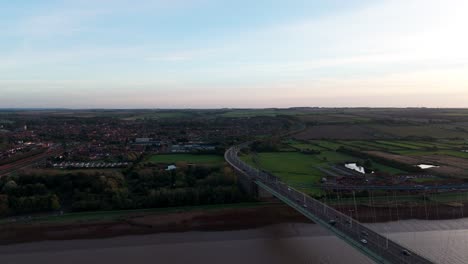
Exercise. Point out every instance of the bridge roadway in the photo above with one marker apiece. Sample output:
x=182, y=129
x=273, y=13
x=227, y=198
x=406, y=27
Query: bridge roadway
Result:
x=377, y=247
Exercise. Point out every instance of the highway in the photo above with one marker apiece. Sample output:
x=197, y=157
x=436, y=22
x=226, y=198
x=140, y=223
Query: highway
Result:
x=376, y=246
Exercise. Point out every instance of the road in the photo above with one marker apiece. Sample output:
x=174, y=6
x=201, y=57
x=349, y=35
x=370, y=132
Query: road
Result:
x=376, y=246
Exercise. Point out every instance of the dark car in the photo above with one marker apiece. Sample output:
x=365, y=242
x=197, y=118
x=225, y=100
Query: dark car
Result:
x=406, y=252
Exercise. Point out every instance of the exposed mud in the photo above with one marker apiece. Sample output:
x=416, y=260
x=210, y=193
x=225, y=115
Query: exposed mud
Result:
x=211, y=220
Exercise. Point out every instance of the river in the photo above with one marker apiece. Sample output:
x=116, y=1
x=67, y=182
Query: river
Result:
x=444, y=241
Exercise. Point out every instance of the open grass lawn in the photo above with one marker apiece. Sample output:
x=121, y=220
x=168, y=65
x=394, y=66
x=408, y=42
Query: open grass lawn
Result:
x=212, y=160
x=291, y=167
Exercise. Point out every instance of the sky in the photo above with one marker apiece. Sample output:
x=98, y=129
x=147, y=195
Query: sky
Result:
x=243, y=53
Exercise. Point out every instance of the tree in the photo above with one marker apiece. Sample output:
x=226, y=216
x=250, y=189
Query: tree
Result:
x=4, y=207
x=10, y=187
x=54, y=202
x=368, y=163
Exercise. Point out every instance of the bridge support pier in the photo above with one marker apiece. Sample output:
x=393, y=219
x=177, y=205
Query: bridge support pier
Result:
x=248, y=185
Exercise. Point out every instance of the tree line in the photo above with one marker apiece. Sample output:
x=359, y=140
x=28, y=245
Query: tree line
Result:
x=34, y=191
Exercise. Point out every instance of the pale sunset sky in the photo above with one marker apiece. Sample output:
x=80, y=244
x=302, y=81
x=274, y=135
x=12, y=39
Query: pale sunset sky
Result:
x=243, y=53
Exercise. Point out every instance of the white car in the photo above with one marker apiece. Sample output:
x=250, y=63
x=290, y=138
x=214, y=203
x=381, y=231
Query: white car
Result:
x=363, y=241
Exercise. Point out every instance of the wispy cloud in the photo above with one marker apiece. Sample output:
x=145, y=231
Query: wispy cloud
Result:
x=400, y=47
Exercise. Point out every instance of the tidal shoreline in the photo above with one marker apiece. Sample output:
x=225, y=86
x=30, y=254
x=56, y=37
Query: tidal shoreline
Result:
x=222, y=219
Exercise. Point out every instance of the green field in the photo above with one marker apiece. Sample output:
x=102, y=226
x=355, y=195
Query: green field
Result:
x=433, y=131
x=212, y=160
x=453, y=153
x=291, y=167
x=297, y=168
x=405, y=147
x=399, y=144
x=304, y=146
x=330, y=145
x=383, y=168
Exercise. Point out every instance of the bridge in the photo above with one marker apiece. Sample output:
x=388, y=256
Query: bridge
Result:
x=376, y=246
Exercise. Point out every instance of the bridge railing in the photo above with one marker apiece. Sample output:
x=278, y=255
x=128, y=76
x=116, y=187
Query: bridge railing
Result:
x=385, y=247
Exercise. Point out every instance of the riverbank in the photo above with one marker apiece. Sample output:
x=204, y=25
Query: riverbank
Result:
x=94, y=225
x=121, y=223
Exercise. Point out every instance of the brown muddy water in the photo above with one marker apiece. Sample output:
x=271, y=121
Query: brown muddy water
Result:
x=443, y=241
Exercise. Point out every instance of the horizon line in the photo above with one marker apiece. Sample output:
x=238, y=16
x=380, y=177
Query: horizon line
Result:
x=231, y=108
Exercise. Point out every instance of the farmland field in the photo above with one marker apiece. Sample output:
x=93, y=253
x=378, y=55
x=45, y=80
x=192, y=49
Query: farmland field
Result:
x=330, y=145
x=336, y=132
x=304, y=146
x=291, y=167
x=419, y=131
x=189, y=158
x=159, y=115
x=452, y=153
x=260, y=112
x=300, y=169
x=397, y=144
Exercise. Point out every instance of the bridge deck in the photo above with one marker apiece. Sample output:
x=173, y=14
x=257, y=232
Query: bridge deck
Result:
x=376, y=246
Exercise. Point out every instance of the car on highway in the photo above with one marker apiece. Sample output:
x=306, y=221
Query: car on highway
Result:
x=363, y=241
x=364, y=233
x=406, y=252
x=332, y=222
